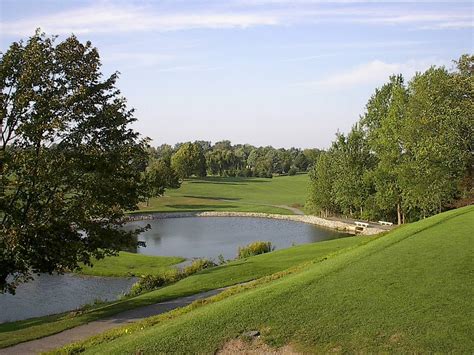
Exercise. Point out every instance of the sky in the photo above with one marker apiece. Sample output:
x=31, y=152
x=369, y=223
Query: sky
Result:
x=265, y=72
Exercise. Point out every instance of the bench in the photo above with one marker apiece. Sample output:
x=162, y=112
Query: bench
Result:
x=361, y=224
x=383, y=223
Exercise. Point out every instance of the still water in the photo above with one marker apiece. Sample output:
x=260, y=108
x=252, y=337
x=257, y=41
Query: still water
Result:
x=194, y=237
x=190, y=237
x=50, y=294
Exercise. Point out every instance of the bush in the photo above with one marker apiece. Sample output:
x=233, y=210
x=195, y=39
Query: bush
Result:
x=198, y=265
x=248, y=172
x=292, y=171
x=148, y=283
x=255, y=248
x=221, y=259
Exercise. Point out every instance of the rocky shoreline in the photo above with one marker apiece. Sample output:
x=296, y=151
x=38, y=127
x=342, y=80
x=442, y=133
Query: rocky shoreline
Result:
x=326, y=223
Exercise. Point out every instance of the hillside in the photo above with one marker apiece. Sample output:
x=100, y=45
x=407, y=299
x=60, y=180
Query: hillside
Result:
x=407, y=291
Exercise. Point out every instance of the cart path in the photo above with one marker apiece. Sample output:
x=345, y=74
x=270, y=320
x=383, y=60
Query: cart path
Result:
x=85, y=331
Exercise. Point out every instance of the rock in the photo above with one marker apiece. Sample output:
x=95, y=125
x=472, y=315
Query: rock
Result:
x=342, y=226
x=252, y=334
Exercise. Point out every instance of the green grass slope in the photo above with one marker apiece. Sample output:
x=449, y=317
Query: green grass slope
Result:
x=408, y=291
x=130, y=264
x=229, y=274
x=234, y=194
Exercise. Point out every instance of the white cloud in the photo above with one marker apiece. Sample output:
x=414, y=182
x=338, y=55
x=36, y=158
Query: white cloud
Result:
x=375, y=72
x=435, y=20
x=367, y=73
x=106, y=19
x=110, y=18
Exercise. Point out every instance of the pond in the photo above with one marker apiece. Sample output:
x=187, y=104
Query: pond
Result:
x=190, y=237
x=196, y=237
x=50, y=294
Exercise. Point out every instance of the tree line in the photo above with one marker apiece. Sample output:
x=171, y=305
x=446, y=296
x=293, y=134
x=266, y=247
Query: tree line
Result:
x=409, y=156
x=201, y=158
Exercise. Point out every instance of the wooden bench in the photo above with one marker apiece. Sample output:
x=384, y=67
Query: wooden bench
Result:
x=361, y=224
x=383, y=223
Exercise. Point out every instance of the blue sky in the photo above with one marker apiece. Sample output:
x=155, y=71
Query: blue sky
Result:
x=266, y=72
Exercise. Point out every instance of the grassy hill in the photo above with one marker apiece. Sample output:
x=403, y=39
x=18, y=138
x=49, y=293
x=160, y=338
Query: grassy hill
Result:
x=408, y=291
x=234, y=194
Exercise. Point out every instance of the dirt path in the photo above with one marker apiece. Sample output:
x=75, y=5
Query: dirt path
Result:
x=295, y=210
x=85, y=331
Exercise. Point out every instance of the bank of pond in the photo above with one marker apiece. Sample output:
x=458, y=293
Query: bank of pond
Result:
x=192, y=237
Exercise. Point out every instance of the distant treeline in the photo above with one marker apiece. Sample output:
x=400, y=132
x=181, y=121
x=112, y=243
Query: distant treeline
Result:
x=409, y=156
x=201, y=158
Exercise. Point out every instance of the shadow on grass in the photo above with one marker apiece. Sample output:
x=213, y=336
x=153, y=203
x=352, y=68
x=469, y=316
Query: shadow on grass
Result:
x=216, y=183
x=228, y=180
x=217, y=198
x=18, y=325
x=200, y=207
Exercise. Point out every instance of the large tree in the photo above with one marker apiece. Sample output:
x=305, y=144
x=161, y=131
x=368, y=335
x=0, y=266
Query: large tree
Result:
x=189, y=160
x=383, y=121
x=321, y=196
x=158, y=176
x=69, y=162
x=434, y=138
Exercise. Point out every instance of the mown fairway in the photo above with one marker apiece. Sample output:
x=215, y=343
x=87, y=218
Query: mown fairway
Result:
x=234, y=194
x=407, y=291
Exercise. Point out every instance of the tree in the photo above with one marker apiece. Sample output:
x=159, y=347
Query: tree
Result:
x=383, y=121
x=351, y=162
x=301, y=162
x=70, y=164
x=410, y=155
x=312, y=156
x=163, y=152
x=321, y=198
x=436, y=152
x=158, y=176
x=189, y=160
x=463, y=93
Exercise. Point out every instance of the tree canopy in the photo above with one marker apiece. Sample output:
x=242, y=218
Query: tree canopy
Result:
x=69, y=162
x=409, y=156
x=189, y=160
x=225, y=159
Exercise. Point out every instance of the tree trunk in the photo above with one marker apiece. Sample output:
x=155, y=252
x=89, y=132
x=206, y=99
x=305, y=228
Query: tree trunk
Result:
x=399, y=214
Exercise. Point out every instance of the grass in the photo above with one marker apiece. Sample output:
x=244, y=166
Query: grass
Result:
x=234, y=194
x=408, y=291
x=229, y=274
x=130, y=264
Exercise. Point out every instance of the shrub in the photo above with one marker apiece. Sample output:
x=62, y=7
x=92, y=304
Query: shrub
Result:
x=221, y=259
x=152, y=282
x=255, y=248
x=198, y=265
x=292, y=171
x=148, y=283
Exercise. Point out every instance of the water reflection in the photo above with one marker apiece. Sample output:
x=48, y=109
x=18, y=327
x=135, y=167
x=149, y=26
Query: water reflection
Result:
x=210, y=236
x=50, y=294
